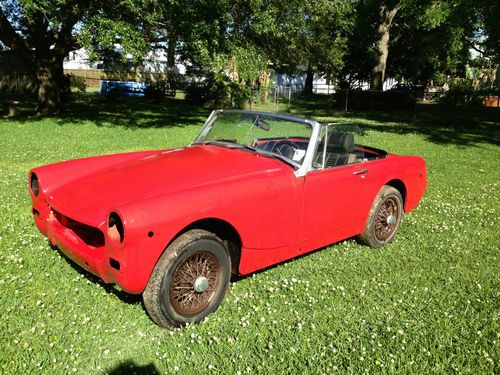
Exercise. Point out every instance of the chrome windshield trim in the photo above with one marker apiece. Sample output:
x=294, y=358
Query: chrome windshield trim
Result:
x=308, y=159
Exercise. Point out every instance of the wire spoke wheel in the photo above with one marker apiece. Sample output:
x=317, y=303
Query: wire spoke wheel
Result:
x=387, y=218
x=189, y=280
x=194, y=283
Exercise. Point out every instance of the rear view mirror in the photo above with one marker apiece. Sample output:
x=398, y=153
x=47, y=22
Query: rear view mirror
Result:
x=261, y=124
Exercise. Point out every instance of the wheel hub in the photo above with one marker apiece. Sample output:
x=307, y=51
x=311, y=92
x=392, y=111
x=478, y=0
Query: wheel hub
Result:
x=387, y=219
x=201, y=284
x=194, y=283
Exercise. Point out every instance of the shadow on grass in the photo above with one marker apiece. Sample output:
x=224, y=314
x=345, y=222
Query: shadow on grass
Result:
x=131, y=299
x=461, y=125
x=129, y=367
x=236, y=278
x=133, y=113
x=128, y=112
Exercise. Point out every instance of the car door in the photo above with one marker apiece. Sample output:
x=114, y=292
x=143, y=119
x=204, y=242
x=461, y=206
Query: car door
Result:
x=334, y=194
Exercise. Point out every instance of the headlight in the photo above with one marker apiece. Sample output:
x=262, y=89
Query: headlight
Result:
x=34, y=185
x=115, y=227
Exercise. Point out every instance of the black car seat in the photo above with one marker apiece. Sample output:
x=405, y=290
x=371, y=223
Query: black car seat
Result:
x=340, y=149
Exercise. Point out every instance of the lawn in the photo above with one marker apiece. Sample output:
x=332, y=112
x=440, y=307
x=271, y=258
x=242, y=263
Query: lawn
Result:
x=427, y=303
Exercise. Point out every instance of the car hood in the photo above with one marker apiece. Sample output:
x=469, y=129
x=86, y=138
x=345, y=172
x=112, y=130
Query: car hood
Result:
x=90, y=198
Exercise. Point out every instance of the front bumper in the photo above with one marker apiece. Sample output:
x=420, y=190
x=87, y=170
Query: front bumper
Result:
x=101, y=258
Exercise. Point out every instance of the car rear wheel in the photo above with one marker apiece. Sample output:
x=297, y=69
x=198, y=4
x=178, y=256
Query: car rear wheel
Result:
x=189, y=281
x=384, y=219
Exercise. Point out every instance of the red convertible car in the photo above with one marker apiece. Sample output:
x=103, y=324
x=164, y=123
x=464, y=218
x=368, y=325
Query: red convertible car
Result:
x=254, y=189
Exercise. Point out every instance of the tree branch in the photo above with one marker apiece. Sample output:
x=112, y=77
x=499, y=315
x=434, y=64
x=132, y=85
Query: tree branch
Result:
x=65, y=42
x=11, y=39
x=477, y=49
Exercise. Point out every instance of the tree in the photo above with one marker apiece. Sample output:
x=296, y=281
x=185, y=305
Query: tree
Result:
x=486, y=38
x=297, y=32
x=244, y=37
x=408, y=38
x=42, y=33
x=423, y=53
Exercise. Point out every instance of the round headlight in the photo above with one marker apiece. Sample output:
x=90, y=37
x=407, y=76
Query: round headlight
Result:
x=115, y=226
x=34, y=185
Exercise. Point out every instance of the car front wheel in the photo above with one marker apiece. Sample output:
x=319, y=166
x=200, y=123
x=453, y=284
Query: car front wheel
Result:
x=189, y=281
x=384, y=219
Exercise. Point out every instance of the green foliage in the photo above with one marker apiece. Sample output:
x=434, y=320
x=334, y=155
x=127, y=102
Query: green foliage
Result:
x=218, y=90
x=486, y=39
x=430, y=39
x=297, y=32
x=42, y=33
x=156, y=90
x=245, y=37
x=78, y=83
x=462, y=92
x=127, y=23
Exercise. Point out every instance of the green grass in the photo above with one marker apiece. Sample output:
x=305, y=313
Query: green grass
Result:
x=427, y=303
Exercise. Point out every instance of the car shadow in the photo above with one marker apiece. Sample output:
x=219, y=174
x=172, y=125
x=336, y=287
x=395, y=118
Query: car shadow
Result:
x=129, y=367
x=236, y=278
x=134, y=299
x=131, y=299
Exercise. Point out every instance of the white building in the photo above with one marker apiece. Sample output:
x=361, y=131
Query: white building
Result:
x=155, y=61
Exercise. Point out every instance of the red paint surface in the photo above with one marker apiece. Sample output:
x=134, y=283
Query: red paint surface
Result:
x=276, y=214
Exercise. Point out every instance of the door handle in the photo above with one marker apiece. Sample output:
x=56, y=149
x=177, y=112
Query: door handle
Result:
x=362, y=171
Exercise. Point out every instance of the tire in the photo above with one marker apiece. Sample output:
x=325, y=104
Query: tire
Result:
x=384, y=219
x=189, y=281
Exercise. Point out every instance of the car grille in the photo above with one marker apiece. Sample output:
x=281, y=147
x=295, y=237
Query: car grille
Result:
x=90, y=235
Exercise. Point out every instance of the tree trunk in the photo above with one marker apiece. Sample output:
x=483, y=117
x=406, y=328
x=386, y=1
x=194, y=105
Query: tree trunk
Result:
x=263, y=85
x=53, y=88
x=382, y=47
x=308, y=87
x=172, y=44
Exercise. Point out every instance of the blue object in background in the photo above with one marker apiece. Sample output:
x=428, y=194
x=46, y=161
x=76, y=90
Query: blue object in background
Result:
x=124, y=88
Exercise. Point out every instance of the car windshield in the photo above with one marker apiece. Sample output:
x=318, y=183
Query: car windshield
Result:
x=268, y=135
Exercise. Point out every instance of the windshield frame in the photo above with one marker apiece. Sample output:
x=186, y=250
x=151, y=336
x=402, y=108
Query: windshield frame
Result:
x=301, y=170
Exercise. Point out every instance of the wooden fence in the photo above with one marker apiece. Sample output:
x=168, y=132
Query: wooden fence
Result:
x=93, y=78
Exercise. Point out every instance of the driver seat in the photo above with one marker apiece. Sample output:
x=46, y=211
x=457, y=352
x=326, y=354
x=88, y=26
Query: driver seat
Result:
x=340, y=149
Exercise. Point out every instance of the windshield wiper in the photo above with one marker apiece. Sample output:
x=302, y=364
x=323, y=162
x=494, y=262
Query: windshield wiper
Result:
x=229, y=143
x=278, y=157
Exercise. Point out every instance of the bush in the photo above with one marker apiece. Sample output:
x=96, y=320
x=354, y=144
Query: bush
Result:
x=218, y=91
x=77, y=83
x=240, y=95
x=156, y=90
x=462, y=93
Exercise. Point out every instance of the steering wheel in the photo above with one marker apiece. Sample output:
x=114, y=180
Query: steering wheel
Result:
x=286, y=148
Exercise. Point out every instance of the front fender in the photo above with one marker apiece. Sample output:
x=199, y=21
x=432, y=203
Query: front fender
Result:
x=264, y=211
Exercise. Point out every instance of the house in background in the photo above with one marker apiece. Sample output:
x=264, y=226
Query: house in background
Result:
x=321, y=84
x=155, y=62
x=79, y=60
